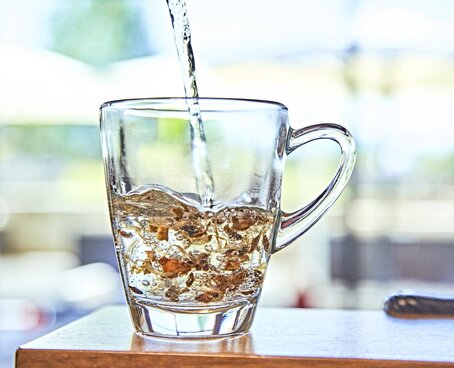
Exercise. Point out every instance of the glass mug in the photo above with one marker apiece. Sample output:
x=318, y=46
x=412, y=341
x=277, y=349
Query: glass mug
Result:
x=194, y=266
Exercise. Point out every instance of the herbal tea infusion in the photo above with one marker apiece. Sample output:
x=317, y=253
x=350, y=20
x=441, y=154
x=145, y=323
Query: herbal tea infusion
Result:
x=175, y=251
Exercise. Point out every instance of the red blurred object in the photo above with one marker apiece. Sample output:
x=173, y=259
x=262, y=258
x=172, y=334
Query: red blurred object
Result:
x=303, y=300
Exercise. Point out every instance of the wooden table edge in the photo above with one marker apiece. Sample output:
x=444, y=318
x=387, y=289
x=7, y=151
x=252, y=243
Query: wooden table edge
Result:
x=35, y=358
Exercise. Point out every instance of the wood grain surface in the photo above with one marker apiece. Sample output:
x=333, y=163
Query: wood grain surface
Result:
x=279, y=338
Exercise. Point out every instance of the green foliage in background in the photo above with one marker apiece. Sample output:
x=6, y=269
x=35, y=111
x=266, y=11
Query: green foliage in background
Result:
x=440, y=168
x=173, y=129
x=62, y=142
x=99, y=31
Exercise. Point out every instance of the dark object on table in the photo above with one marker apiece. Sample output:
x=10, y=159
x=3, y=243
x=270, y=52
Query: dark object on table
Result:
x=419, y=305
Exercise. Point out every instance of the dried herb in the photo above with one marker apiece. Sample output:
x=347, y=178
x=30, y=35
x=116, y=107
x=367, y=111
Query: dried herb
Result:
x=255, y=243
x=190, y=280
x=152, y=228
x=172, y=293
x=178, y=212
x=136, y=290
x=208, y=297
x=242, y=223
x=266, y=243
x=173, y=267
x=194, y=231
x=125, y=234
x=162, y=233
x=221, y=282
x=199, y=261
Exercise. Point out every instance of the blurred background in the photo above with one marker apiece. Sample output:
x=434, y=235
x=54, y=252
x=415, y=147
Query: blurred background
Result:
x=384, y=69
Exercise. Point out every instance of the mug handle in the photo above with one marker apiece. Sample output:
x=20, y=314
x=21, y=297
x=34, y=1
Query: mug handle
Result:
x=294, y=224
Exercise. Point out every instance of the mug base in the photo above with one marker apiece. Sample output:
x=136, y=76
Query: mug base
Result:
x=192, y=321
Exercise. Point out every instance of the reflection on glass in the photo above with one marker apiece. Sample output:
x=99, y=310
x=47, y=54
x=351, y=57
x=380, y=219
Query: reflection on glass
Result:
x=241, y=345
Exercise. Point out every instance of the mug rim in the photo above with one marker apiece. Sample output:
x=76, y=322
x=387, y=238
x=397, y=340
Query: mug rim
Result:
x=152, y=103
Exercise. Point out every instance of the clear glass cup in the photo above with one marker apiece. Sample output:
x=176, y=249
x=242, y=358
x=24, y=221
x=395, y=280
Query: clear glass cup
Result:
x=193, y=251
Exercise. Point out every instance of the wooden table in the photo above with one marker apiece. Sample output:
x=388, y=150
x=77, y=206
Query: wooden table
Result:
x=279, y=338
